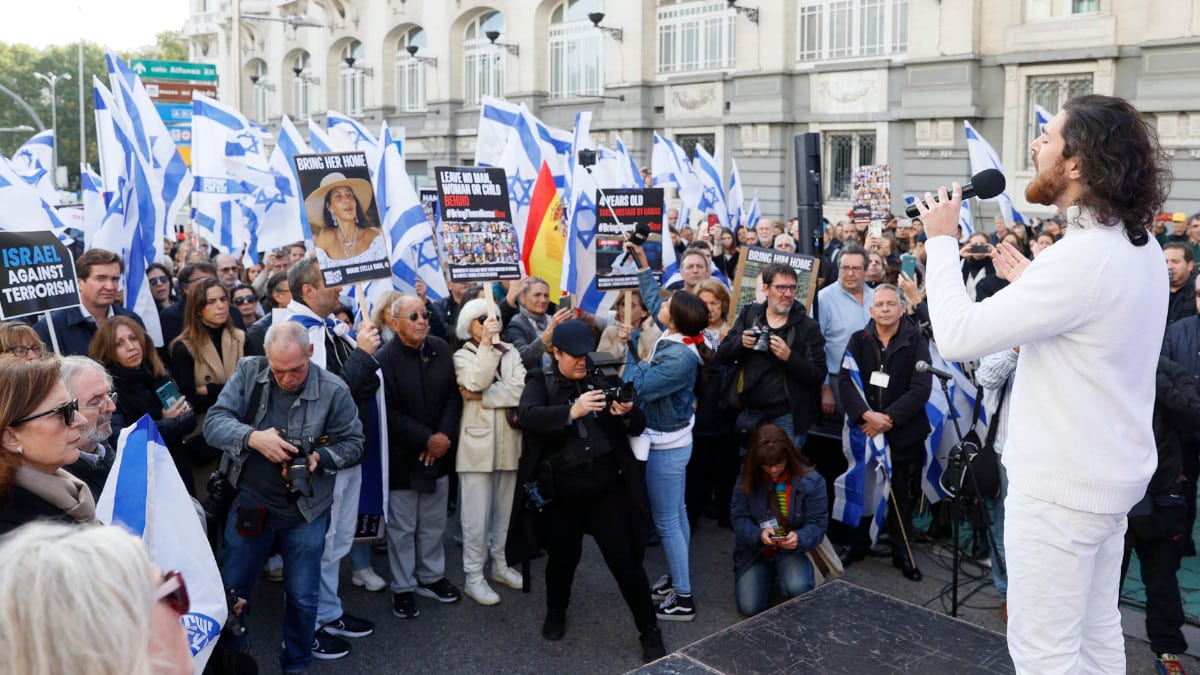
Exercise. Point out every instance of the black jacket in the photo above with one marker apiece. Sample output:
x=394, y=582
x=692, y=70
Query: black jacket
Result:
x=543, y=417
x=422, y=399
x=21, y=506
x=1176, y=415
x=256, y=334
x=74, y=332
x=805, y=368
x=907, y=391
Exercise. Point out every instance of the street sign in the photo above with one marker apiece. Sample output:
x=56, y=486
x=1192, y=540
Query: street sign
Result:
x=177, y=91
x=181, y=134
x=174, y=112
x=173, y=70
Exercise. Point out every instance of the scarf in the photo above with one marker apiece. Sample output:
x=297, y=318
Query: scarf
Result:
x=541, y=323
x=60, y=489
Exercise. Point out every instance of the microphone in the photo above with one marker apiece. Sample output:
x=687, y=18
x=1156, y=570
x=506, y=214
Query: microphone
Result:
x=924, y=367
x=985, y=185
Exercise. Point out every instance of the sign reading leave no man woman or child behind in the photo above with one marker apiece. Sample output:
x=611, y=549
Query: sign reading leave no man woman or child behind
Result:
x=37, y=274
x=481, y=242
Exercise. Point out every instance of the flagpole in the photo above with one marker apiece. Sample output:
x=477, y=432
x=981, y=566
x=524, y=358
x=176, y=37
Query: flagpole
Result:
x=53, y=333
x=82, y=127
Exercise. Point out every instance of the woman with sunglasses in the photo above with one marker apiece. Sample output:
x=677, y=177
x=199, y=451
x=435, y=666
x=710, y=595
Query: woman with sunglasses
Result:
x=246, y=303
x=21, y=340
x=162, y=287
x=122, y=346
x=203, y=358
x=780, y=511
x=88, y=600
x=39, y=434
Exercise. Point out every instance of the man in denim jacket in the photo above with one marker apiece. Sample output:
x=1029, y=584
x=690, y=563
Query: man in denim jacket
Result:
x=311, y=408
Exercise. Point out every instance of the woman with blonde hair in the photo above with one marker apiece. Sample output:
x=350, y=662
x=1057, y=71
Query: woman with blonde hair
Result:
x=88, y=600
x=20, y=340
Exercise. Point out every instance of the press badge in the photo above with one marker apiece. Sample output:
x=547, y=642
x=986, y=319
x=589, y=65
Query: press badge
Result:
x=880, y=379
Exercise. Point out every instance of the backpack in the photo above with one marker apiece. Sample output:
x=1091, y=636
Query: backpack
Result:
x=975, y=473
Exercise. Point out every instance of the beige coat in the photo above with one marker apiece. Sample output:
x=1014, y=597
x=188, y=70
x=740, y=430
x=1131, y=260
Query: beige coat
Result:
x=645, y=346
x=485, y=441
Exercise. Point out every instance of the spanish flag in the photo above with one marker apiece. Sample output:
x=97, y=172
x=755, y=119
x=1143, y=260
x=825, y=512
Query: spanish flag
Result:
x=542, y=250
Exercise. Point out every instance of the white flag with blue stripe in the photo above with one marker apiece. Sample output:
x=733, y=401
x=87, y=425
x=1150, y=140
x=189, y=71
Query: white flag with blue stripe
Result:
x=669, y=165
x=864, y=488
x=520, y=161
x=966, y=220
x=22, y=209
x=230, y=162
x=942, y=436
x=349, y=135
x=93, y=204
x=145, y=495
x=579, y=254
x=1041, y=116
x=318, y=140
x=498, y=117
x=735, y=200
x=34, y=161
x=414, y=247
x=753, y=214
x=982, y=156
x=112, y=157
x=712, y=195
x=289, y=144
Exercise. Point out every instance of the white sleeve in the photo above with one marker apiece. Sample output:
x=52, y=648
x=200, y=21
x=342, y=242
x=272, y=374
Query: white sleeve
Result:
x=994, y=369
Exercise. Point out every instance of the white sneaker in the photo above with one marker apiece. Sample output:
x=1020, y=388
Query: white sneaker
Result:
x=368, y=579
x=507, y=576
x=479, y=591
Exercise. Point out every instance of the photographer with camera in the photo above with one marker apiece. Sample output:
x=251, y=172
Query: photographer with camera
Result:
x=578, y=474
x=764, y=336
x=284, y=427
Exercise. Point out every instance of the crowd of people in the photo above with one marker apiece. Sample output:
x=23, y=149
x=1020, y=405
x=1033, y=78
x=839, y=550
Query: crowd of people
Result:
x=534, y=424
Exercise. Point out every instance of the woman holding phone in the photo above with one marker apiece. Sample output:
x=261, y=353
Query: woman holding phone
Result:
x=144, y=387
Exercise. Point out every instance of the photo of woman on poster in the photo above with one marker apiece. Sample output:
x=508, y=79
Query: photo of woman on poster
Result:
x=347, y=234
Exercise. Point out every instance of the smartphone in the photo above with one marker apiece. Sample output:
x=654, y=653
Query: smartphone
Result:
x=778, y=539
x=876, y=228
x=564, y=302
x=980, y=248
x=168, y=394
x=908, y=265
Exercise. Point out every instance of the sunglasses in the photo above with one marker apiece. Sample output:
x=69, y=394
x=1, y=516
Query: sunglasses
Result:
x=158, y=281
x=22, y=350
x=173, y=591
x=412, y=316
x=66, y=411
x=244, y=300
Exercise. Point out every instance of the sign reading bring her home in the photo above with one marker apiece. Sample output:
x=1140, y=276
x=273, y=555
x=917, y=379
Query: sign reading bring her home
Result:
x=481, y=242
x=38, y=274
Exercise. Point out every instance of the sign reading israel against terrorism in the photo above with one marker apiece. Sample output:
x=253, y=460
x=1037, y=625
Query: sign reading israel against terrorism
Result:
x=38, y=274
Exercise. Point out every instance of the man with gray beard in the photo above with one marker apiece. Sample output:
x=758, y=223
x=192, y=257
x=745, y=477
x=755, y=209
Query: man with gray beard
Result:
x=89, y=383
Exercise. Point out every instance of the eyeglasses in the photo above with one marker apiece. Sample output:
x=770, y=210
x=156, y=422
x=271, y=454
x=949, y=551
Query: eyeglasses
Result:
x=159, y=281
x=173, y=591
x=851, y=268
x=223, y=270
x=412, y=316
x=66, y=411
x=110, y=396
x=784, y=288
x=209, y=302
x=22, y=350
x=244, y=300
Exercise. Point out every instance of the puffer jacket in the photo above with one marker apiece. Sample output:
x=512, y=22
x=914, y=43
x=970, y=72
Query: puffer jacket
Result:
x=486, y=442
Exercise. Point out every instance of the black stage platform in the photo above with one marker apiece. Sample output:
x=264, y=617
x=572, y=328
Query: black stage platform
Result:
x=842, y=628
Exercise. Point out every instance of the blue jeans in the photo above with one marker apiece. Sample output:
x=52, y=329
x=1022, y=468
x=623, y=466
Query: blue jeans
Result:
x=301, y=545
x=753, y=587
x=666, y=476
x=995, y=509
x=785, y=422
x=360, y=556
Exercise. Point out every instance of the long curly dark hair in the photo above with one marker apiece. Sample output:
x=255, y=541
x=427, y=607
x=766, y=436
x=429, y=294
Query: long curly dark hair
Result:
x=1126, y=175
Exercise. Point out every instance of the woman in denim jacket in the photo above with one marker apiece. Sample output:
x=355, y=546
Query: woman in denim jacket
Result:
x=779, y=511
x=666, y=385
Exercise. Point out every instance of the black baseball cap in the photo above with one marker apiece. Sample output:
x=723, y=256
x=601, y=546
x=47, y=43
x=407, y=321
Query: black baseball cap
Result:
x=573, y=337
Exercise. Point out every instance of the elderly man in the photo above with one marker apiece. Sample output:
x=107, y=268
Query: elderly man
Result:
x=286, y=428
x=765, y=231
x=784, y=243
x=99, y=274
x=227, y=271
x=90, y=384
x=423, y=412
x=845, y=308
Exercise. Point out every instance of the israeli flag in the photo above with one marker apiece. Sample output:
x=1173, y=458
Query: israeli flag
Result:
x=868, y=479
x=230, y=163
x=940, y=411
x=579, y=254
x=966, y=220
x=112, y=157
x=347, y=134
x=290, y=143
x=753, y=215
x=145, y=495
x=712, y=195
x=34, y=162
x=520, y=161
x=735, y=201
x=497, y=117
x=318, y=139
x=669, y=165
x=1041, y=116
x=24, y=210
x=982, y=157
x=631, y=175
x=414, y=246
x=94, y=207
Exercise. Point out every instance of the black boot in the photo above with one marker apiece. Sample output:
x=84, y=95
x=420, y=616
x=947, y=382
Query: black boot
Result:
x=850, y=554
x=652, y=645
x=555, y=625
x=909, y=570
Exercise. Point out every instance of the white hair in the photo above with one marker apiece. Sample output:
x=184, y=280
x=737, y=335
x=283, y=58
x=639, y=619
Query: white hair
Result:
x=469, y=312
x=73, y=367
x=75, y=599
x=286, y=333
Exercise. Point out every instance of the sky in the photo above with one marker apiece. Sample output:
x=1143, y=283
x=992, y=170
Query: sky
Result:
x=120, y=24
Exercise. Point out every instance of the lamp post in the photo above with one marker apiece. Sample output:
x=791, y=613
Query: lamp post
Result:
x=52, y=80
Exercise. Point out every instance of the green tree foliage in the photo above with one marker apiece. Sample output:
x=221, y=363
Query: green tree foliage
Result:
x=19, y=62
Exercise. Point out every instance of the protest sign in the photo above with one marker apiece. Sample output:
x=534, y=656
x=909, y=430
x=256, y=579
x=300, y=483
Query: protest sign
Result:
x=481, y=242
x=620, y=212
x=340, y=203
x=872, y=192
x=39, y=275
x=747, y=283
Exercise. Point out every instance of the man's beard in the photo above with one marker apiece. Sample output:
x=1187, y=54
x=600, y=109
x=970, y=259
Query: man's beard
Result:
x=95, y=434
x=782, y=307
x=1047, y=187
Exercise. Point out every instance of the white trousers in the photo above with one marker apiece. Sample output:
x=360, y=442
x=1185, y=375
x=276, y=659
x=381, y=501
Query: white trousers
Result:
x=1063, y=577
x=485, y=506
x=343, y=520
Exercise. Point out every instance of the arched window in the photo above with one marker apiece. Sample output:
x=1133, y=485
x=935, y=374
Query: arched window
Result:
x=576, y=50
x=261, y=88
x=352, y=78
x=411, y=73
x=302, y=86
x=483, y=62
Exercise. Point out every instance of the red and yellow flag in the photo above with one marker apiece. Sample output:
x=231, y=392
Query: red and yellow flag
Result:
x=545, y=238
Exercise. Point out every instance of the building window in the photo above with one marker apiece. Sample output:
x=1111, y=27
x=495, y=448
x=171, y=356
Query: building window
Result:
x=302, y=86
x=695, y=36
x=1050, y=92
x=1056, y=9
x=261, y=89
x=576, y=50
x=483, y=62
x=844, y=152
x=843, y=29
x=689, y=142
x=410, y=73
x=352, y=79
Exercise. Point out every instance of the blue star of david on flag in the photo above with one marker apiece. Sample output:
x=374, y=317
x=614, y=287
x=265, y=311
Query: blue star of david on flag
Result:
x=586, y=231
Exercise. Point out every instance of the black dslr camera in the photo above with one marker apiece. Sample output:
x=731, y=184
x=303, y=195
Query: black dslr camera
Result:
x=299, y=478
x=763, y=336
x=586, y=158
x=605, y=376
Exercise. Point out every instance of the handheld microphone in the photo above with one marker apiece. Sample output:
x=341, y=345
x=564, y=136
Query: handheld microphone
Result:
x=985, y=185
x=924, y=367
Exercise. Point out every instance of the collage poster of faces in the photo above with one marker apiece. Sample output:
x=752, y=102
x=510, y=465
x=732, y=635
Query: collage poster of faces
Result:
x=339, y=200
x=476, y=226
x=630, y=209
x=872, y=189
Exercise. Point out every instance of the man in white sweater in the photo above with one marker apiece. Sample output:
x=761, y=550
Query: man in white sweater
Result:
x=1087, y=315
